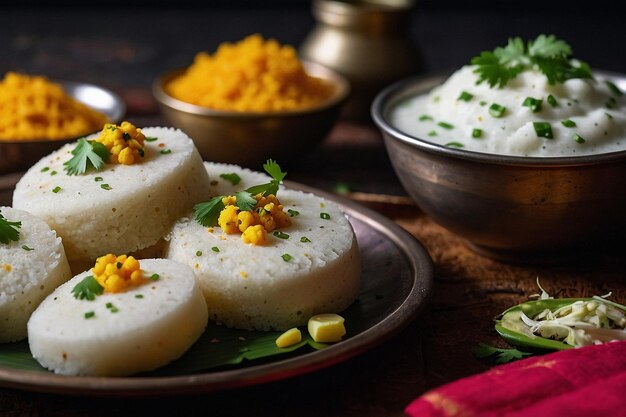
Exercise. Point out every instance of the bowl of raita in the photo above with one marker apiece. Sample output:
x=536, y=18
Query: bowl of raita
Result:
x=522, y=153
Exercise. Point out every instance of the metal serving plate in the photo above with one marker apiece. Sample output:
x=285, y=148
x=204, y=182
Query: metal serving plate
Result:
x=397, y=278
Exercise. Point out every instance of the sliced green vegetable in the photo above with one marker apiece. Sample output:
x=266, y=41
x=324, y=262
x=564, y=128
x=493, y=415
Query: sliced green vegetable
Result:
x=543, y=130
x=496, y=110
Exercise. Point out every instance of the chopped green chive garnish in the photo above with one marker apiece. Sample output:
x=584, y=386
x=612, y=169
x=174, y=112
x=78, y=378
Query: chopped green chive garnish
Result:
x=166, y=151
x=138, y=295
x=568, y=123
x=477, y=133
x=154, y=277
x=482, y=102
x=552, y=101
x=56, y=189
x=325, y=216
x=578, y=138
x=280, y=235
x=198, y=253
x=106, y=187
x=293, y=213
x=44, y=169
x=52, y=173
x=425, y=117
x=98, y=179
x=109, y=305
x=233, y=178
x=215, y=249
x=543, y=130
x=286, y=257
x=614, y=89
x=432, y=133
x=454, y=145
x=445, y=125
x=26, y=248
x=533, y=104
x=304, y=239
x=114, y=310
x=151, y=139
x=90, y=314
x=496, y=110
x=610, y=103
x=465, y=96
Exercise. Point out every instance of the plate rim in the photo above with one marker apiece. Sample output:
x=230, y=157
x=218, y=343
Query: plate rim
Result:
x=422, y=279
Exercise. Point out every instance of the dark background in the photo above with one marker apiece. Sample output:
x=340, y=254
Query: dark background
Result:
x=121, y=44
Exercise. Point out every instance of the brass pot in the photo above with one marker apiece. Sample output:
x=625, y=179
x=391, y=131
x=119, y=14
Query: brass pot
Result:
x=367, y=42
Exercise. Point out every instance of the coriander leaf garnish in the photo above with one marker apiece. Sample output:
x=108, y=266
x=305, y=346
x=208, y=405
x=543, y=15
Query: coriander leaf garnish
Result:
x=245, y=201
x=207, y=213
x=272, y=168
x=501, y=355
x=233, y=178
x=87, y=289
x=87, y=155
x=550, y=55
x=9, y=230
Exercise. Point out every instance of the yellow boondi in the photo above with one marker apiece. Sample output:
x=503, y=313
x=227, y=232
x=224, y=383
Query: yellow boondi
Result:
x=116, y=273
x=125, y=142
x=32, y=107
x=251, y=75
x=253, y=225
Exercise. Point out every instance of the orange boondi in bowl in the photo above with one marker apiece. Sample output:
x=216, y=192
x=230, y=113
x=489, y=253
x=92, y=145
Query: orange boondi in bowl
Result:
x=253, y=75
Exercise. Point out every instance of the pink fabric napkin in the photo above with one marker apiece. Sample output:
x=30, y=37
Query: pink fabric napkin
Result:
x=589, y=382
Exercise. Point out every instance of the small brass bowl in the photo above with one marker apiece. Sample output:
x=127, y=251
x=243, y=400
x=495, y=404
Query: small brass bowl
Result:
x=16, y=155
x=513, y=208
x=250, y=138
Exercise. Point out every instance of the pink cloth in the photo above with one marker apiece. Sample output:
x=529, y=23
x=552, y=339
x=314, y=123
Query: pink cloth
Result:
x=589, y=382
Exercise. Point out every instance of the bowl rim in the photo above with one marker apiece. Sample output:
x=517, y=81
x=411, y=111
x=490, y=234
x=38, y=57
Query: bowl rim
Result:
x=116, y=116
x=317, y=70
x=423, y=83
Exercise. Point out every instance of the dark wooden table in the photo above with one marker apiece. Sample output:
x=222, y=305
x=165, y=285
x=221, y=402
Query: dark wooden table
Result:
x=469, y=289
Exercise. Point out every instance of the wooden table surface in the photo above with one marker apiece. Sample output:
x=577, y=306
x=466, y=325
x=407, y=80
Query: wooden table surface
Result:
x=469, y=289
x=469, y=292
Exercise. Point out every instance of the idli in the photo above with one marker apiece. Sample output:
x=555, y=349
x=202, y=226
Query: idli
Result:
x=120, y=208
x=141, y=328
x=309, y=267
x=32, y=265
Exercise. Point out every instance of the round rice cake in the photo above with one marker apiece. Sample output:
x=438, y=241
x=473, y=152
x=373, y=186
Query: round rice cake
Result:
x=30, y=269
x=281, y=284
x=122, y=208
x=116, y=334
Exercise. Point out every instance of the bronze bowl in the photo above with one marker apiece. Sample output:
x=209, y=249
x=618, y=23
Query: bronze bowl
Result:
x=508, y=207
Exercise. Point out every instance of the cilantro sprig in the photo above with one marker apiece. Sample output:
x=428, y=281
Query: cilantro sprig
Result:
x=9, y=231
x=550, y=55
x=208, y=213
x=87, y=289
x=88, y=154
x=498, y=354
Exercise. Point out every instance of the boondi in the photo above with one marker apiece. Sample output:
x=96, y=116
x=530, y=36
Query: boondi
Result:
x=32, y=107
x=253, y=75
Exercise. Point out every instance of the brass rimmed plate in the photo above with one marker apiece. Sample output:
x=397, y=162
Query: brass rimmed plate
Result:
x=17, y=155
x=397, y=277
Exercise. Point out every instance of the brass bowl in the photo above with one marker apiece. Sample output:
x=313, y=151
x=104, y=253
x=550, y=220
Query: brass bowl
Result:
x=508, y=207
x=16, y=155
x=250, y=138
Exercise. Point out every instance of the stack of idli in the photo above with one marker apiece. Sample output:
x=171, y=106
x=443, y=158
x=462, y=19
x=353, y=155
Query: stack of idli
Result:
x=30, y=269
x=122, y=208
